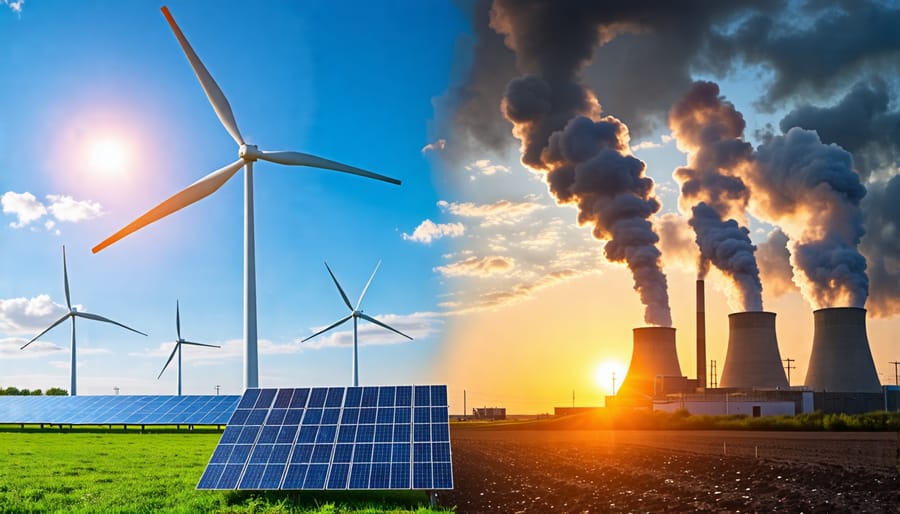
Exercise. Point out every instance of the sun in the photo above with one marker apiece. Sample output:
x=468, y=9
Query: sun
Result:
x=108, y=156
x=607, y=373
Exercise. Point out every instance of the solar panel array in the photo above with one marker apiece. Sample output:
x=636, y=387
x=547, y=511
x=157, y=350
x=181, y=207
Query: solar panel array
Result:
x=387, y=437
x=117, y=410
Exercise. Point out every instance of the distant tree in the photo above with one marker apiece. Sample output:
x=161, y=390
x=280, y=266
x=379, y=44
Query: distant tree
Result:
x=56, y=391
x=36, y=392
x=11, y=391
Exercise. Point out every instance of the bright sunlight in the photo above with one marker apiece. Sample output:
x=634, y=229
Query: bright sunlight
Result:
x=108, y=156
x=607, y=373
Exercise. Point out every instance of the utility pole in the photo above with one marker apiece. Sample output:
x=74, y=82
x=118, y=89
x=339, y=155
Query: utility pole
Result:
x=896, y=372
x=614, y=383
x=465, y=412
x=788, y=367
x=217, y=389
x=573, y=398
x=116, y=389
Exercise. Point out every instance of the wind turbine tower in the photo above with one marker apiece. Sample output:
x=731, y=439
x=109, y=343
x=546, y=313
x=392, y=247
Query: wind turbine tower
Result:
x=247, y=155
x=72, y=314
x=355, y=314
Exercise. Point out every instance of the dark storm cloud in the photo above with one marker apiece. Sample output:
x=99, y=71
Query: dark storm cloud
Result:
x=881, y=246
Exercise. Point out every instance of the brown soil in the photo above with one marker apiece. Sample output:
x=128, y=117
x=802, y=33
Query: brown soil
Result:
x=672, y=471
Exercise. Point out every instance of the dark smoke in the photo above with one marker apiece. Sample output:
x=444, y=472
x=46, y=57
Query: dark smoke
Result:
x=860, y=123
x=811, y=191
x=587, y=161
x=710, y=130
x=881, y=246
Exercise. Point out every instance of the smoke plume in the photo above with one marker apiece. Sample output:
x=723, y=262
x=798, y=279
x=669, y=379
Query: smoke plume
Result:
x=586, y=157
x=774, y=260
x=811, y=191
x=710, y=130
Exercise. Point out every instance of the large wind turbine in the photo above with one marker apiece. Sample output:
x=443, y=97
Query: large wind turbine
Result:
x=207, y=185
x=74, y=313
x=355, y=313
x=178, y=342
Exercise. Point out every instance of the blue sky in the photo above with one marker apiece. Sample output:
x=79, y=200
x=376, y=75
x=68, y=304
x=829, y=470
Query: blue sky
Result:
x=318, y=78
x=505, y=295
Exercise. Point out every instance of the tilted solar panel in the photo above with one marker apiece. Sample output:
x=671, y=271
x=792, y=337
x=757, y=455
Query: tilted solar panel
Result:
x=386, y=437
x=117, y=410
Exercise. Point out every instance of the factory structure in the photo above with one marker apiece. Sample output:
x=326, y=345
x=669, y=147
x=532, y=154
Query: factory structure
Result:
x=841, y=375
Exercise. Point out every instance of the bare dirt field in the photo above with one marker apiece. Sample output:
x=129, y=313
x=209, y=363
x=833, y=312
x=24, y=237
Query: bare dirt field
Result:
x=673, y=471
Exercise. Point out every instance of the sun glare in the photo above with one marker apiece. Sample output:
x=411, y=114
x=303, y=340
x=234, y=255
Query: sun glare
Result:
x=108, y=156
x=607, y=373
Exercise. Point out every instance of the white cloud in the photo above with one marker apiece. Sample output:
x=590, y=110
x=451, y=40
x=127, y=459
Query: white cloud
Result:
x=473, y=266
x=428, y=231
x=10, y=348
x=66, y=208
x=664, y=140
x=440, y=144
x=418, y=325
x=14, y=5
x=501, y=212
x=486, y=167
x=28, y=315
x=24, y=206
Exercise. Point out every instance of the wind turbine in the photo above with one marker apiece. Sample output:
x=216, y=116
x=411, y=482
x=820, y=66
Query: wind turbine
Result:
x=247, y=155
x=355, y=313
x=178, y=342
x=74, y=313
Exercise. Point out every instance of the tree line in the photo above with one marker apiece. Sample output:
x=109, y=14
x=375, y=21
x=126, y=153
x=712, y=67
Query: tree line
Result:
x=14, y=391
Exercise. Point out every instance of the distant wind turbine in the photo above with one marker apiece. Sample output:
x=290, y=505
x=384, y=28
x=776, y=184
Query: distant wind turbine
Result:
x=207, y=185
x=74, y=313
x=355, y=313
x=178, y=342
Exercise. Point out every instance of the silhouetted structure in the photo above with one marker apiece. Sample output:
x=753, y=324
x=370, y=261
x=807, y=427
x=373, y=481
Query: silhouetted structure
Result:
x=753, y=360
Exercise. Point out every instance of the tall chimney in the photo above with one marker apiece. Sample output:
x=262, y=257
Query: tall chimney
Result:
x=701, y=336
x=654, y=355
x=753, y=359
x=841, y=360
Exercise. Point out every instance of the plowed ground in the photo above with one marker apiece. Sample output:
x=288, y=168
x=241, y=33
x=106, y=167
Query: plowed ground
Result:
x=672, y=471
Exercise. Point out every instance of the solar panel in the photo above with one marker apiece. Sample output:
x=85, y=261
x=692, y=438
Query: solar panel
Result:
x=117, y=410
x=386, y=437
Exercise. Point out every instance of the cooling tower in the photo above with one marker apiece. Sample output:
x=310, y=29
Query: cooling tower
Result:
x=701, y=336
x=841, y=360
x=653, y=355
x=753, y=360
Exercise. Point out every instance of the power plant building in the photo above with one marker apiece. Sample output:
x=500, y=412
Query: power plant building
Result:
x=841, y=360
x=753, y=360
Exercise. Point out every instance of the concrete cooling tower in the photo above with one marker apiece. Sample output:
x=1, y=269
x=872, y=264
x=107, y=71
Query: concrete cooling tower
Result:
x=654, y=355
x=841, y=360
x=753, y=360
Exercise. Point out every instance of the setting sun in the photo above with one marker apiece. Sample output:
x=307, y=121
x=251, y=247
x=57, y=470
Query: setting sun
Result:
x=609, y=373
x=108, y=156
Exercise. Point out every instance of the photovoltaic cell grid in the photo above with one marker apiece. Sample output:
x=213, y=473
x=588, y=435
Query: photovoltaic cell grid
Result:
x=118, y=410
x=387, y=437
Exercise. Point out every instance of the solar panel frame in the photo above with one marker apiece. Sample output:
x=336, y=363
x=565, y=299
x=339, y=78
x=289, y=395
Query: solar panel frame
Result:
x=336, y=438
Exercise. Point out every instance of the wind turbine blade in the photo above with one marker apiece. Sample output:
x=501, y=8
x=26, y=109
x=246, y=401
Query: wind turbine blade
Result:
x=51, y=327
x=305, y=159
x=66, y=279
x=359, y=302
x=193, y=193
x=177, y=321
x=212, y=90
x=201, y=344
x=105, y=320
x=340, y=289
x=380, y=324
x=168, y=361
x=336, y=323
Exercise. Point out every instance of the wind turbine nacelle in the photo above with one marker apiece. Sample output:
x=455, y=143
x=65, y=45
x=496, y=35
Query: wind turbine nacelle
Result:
x=249, y=152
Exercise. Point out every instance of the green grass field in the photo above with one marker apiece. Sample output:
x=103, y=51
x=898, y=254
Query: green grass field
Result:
x=110, y=470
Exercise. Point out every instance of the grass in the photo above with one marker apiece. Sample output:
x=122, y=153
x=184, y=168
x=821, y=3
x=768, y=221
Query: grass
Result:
x=97, y=469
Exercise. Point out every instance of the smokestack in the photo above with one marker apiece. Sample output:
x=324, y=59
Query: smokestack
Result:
x=753, y=360
x=841, y=360
x=653, y=355
x=701, y=335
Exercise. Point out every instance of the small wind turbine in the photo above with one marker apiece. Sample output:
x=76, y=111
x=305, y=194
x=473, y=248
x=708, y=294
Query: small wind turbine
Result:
x=178, y=342
x=355, y=313
x=247, y=155
x=74, y=313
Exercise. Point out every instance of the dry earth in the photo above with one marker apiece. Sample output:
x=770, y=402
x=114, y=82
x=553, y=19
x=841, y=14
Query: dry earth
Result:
x=673, y=471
